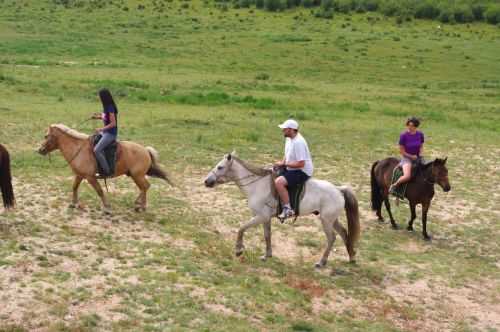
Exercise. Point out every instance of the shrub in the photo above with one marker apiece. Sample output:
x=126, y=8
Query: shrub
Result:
x=343, y=6
x=244, y=3
x=371, y=5
x=272, y=5
x=446, y=15
x=427, y=10
x=259, y=4
x=492, y=14
x=478, y=11
x=307, y=3
x=463, y=14
x=326, y=5
x=391, y=8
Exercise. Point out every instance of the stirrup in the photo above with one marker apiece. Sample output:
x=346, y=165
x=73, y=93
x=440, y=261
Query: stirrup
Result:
x=286, y=213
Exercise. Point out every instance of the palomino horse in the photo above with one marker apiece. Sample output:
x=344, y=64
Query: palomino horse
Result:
x=133, y=160
x=6, y=179
x=420, y=190
x=321, y=197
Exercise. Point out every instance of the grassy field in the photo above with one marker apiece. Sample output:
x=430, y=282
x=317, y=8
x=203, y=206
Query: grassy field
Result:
x=196, y=82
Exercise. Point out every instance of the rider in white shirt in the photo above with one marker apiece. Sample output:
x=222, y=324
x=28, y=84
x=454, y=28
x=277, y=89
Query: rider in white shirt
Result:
x=297, y=163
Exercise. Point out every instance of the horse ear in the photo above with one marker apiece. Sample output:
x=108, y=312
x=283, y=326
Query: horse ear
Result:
x=234, y=153
x=445, y=159
x=229, y=156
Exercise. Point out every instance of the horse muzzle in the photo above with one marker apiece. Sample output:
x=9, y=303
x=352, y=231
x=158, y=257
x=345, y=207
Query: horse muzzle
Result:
x=446, y=188
x=43, y=151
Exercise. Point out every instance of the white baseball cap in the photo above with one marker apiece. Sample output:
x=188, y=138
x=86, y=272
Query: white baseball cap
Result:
x=292, y=124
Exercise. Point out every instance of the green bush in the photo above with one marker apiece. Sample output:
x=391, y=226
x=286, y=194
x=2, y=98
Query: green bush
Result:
x=492, y=14
x=478, y=11
x=446, y=15
x=326, y=5
x=368, y=5
x=463, y=14
x=391, y=8
x=245, y=3
x=307, y=3
x=343, y=6
x=272, y=5
x=427, y=10
x=259, y=4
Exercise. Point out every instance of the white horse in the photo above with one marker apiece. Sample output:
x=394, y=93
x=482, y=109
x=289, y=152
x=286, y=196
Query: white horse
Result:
x=321, y=198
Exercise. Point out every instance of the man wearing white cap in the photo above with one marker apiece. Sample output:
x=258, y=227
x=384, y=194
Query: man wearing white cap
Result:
x=297, y=163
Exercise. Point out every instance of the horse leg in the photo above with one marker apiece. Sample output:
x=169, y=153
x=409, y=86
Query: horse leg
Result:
x=330, y=240
x=76, y=184
x=343, y=234
x=97, y=187
x=239, y=241
x=388, y=208
x=267, y=237
x=425, y=208
x=413, y=216
x=143, y=184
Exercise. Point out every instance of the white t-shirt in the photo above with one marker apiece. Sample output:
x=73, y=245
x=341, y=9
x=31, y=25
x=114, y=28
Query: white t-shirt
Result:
x=296, y=149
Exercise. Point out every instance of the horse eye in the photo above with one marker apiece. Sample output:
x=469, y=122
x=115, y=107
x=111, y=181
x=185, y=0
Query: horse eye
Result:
x=46, y=136
x=220, y=167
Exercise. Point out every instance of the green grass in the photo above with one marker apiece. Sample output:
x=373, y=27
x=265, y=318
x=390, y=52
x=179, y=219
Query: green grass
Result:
x=198, y=82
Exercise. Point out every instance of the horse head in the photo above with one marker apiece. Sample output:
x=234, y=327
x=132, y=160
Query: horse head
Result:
x=221, y=173
x=440, y=173
x=50, y=143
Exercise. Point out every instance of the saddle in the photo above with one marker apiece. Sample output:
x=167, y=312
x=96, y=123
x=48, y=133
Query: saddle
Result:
x=295, y=194
x=416, y=166
x=110, y=153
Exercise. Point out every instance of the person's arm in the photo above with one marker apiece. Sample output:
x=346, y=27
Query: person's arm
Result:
x=405, y=154
x=421, y=151
x=296, y=164
x=112, y=122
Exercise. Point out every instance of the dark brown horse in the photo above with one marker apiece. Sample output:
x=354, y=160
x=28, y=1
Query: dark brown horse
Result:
x=420, y=189
x=6, y=179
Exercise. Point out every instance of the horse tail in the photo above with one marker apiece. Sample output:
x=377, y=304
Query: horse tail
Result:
x=377, y=198
x=155, y=170
x=6, y=179
x=353, y=226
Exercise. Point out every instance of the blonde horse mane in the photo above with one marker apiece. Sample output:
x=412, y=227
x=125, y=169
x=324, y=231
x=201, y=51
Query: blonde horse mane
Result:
x=71, y=132
x=260, y=171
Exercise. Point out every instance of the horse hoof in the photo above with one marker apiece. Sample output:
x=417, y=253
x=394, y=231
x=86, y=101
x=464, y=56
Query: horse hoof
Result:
x=409, y=229
x=319, y=265
x=238, y=253
x=427, y=238
x=352, y=260
x=264, y=257
x=395, y=226
x=107, y=211
x=72, y=206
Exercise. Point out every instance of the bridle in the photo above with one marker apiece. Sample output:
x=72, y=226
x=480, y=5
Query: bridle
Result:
x=238, y=181
x=51, y=138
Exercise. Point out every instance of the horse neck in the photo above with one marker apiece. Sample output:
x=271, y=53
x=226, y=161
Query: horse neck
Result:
x=248, y=182
x=69, y=146
x=425, y=176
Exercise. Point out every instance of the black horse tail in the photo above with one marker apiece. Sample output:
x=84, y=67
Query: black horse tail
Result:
x=377, y=197
x=155, y=170
x=6, y=179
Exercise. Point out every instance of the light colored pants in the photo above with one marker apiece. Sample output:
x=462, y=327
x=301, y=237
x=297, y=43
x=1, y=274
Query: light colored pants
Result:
x=105, y=140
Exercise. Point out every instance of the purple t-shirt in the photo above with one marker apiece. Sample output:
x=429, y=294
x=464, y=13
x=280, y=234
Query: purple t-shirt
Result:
x=411, y=143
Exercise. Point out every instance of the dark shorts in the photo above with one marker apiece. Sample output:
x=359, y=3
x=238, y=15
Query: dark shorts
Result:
x=294, y=178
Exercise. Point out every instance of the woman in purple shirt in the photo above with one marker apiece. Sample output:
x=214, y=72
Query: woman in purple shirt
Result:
x=411, y=146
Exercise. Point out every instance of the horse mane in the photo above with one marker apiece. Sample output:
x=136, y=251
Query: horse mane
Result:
x=260, y=171
x=71, y=132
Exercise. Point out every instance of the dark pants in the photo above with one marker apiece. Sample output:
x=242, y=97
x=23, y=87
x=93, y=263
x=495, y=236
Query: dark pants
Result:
x=294, y=177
